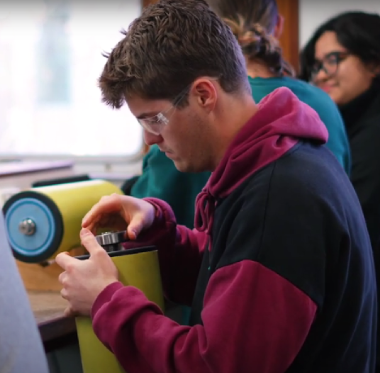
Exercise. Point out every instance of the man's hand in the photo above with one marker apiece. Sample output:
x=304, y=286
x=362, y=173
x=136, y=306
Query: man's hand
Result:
x=117, y=212
x=83, y=280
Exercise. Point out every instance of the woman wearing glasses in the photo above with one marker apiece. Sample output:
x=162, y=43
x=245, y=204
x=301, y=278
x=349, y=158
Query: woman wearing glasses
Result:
x=343, y=59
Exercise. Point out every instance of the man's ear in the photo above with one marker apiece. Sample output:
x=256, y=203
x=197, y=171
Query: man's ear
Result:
x=205, y=93
x=277, y=32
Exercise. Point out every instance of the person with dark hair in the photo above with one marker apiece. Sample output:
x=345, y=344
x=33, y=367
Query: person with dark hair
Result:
x=279, y=268
x=343, y=58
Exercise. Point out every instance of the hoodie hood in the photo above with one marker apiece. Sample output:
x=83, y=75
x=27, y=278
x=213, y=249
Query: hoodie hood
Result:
x=281, y=121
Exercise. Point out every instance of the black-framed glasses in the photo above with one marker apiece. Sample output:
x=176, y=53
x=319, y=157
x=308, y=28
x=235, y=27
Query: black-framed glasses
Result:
x=329, y=64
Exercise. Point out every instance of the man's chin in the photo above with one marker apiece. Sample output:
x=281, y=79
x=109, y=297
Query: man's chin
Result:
x=185, y=167
x=180, y=166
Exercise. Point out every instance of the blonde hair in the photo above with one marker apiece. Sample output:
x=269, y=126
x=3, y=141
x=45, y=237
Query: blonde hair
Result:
x=253, y=23
x=258, y=44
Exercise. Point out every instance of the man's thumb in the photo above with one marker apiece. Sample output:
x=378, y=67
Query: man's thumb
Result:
x=135, y=226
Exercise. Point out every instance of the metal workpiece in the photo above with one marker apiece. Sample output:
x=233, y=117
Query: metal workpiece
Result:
x=111, y=241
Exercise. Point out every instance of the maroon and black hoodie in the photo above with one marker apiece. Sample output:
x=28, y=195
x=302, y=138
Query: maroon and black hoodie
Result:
x=278, y=270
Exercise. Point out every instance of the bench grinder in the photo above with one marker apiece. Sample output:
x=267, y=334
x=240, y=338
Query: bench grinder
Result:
x=42, y=222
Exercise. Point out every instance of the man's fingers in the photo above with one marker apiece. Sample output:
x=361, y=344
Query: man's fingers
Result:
x=64, y=259
x=89, y=241
x=106, y=205
x=69, y=312
x=61, y=277
x=64, y=293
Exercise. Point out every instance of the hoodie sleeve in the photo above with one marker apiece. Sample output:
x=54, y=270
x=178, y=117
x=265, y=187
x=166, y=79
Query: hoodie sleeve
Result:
x=180, y=252
x=265, y=326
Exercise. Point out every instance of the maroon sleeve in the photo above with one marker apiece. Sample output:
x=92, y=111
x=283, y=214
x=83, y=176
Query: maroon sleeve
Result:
x=180, y=252
x=253, y=321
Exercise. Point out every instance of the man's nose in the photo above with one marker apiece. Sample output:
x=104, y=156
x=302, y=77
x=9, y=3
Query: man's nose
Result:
x=151, y=138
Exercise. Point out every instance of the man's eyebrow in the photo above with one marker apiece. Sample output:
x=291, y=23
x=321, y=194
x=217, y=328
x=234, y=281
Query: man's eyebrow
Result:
x=147, y=115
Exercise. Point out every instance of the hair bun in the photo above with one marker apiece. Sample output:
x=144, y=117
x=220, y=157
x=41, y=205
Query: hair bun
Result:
x=257, y=44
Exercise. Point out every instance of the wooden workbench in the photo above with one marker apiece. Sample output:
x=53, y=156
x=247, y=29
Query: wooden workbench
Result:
x=56, y=329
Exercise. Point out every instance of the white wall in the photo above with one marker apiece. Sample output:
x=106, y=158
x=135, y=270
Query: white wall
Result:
x=86, y=121
x=313, y=13
x=83, y=125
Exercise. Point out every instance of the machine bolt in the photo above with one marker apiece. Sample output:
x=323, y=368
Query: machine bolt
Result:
x=27, y=227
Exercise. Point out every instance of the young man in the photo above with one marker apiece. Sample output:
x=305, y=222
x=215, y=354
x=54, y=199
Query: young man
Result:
x=279, y=269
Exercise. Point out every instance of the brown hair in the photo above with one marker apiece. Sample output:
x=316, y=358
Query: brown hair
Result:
x=170, y=45
x=253, y=23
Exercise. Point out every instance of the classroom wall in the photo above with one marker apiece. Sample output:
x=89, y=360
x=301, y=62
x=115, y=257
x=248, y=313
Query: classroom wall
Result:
x=313, y=13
